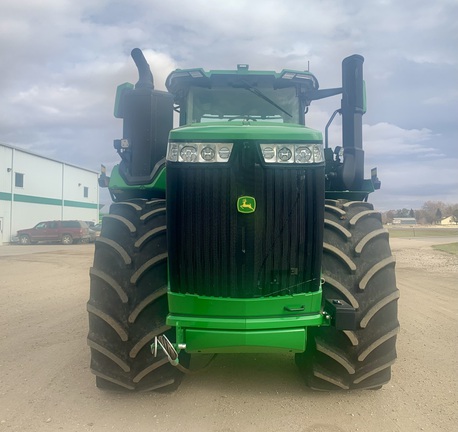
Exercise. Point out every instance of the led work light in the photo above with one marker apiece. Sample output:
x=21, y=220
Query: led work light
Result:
x=292, y=153
x=199, y=152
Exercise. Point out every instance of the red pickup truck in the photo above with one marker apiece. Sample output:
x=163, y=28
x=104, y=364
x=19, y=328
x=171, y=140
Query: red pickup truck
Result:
x=66, y=232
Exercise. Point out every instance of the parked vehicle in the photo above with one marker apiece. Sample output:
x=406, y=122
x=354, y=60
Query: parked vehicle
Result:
x=97, y=228
x=92, y=235
x=66, y=232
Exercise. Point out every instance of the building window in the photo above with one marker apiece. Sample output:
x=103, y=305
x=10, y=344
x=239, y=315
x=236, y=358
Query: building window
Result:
x=86, y=191
x=19, y=180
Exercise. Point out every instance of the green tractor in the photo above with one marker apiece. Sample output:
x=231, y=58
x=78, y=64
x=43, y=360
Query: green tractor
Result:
x=240, y=231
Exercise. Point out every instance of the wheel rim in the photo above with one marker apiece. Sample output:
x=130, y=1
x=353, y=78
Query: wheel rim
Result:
x=66, y=239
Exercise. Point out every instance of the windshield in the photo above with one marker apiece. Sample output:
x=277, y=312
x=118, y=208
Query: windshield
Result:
x=229, y=103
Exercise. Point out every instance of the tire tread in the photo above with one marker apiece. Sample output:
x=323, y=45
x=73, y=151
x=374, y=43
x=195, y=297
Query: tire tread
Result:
x=358, y=268
x=127, y=306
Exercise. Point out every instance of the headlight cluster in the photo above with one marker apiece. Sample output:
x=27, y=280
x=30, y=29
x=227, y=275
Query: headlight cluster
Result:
x=199, y=152
x=292, y=153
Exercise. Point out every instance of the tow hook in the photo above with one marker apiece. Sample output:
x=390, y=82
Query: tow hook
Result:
x=163, y=343
x=341, y=313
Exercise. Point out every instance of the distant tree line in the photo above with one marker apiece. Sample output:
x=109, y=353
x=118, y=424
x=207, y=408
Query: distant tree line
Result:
x=432, y=212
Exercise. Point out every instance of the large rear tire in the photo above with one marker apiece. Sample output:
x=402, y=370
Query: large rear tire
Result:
x=128, y=299
x=357, y=267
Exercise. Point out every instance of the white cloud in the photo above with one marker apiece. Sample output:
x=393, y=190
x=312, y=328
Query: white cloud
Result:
x=391, y=141
x=412, y=169
x=62, y=60
x=408, y=184
x=443, y=99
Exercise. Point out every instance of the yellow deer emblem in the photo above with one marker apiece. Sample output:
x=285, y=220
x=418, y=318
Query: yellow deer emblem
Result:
x=246, y=204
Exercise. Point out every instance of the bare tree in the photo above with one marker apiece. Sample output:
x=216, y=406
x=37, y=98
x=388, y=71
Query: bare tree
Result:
x=429, y=211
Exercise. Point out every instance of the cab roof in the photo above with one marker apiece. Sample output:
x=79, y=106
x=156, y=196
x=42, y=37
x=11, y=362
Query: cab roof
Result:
x=182, y=79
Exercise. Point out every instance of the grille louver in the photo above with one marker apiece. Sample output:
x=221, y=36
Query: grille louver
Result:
x=216, y=251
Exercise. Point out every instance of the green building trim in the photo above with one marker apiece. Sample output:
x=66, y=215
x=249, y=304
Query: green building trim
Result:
x=4, y=196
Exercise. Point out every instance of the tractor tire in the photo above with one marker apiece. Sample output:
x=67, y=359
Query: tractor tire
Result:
x=128, y=300
x=358, y=267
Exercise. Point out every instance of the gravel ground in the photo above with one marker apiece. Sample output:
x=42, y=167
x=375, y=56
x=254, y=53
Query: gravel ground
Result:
x=416, y=253
x=46, y=384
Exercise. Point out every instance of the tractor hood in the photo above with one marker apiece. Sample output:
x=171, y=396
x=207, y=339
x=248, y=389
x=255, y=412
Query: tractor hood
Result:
x=245, y=130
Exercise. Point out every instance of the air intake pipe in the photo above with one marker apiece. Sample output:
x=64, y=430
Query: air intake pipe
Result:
x=352, y=110
x=148, y=119
x=145, y=77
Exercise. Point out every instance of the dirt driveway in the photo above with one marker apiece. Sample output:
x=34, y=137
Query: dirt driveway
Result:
x=46, y=384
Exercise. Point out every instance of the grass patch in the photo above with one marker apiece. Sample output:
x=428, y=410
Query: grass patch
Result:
x=421, y=232
x=449, y=247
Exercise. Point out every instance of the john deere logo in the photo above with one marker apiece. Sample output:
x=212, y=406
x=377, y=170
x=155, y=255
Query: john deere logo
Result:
x=246, y=204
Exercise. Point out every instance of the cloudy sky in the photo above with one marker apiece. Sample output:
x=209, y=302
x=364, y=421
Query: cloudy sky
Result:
x=61, y=61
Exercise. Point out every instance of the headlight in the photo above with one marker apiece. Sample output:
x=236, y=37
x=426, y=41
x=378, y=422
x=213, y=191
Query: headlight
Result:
x=268, y=153
x=318, y=154
x=208, y=153
x=188, y=154
x=292, y=153
x=225, y=152
x=303, y=154
x=199, y=152
x=285, y=154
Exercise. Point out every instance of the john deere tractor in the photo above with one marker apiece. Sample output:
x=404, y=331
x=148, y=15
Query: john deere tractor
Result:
x=240, y=231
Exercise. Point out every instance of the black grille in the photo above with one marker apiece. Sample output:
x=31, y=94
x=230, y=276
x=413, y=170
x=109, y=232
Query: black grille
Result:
x=216, y=251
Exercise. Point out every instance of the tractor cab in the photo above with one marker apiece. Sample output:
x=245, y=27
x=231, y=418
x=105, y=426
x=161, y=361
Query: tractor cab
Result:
x=241, y=95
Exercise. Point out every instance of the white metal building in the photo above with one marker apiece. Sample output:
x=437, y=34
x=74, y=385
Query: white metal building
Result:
x=404, y=221
x=34, y=188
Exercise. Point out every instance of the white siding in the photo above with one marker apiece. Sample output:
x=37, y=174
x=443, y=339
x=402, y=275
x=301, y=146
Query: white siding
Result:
x=51, y=190
x=42, y=177
x=6, y=175
x=404, y=221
